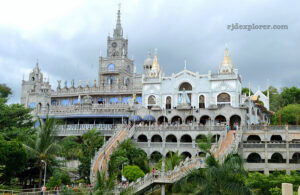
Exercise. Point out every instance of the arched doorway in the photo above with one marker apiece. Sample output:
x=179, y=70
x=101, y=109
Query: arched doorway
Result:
x=215, y=138
x=186, y=139
x=155, y=156
x=276, y=158
x=201, y=101
x=186, y=154
x=296, y=158
x=176, y=120
x=169, y=154
x=142, y=138
x=190, y=119
x=220, y=119
x=254, y=158
x=201, y=154
x=276, y=138
x=168, y=102
x=204, y=119
x=162, y=120
x=171, y=138
x=234, y=121
x=156, y=138
x=253, y=138
x=201, y=137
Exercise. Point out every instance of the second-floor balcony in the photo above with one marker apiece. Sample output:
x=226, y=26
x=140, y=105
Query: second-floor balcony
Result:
x=79, y=129
x=180, y=127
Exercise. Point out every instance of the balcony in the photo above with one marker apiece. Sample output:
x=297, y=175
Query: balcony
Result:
x=180, y=128
x=79, y=129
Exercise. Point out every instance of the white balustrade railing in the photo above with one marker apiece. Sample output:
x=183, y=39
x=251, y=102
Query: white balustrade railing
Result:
x=183, y=127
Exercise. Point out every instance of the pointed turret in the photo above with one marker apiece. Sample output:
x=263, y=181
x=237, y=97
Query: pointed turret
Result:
x=226, y=66
x=118, y=31
x=155, y=65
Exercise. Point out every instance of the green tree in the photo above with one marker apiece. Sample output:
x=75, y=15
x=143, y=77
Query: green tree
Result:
x=92, y=141
x=104, y=185
x=70, y=147
x=245, y=91
x=58, y=178
x=288, y=115
x=4, y=91
x=171, y=161
x=127, y=153
x=274, y=98
x=14, y=158
x=289, y=96
x=133, y=172
x=44, y=146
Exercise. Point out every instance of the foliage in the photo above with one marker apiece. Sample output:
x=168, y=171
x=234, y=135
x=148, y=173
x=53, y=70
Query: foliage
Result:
x=71, y=147
x=205, y=143
x=288, y=115
x=245, y=91
x=103, y=184
x=133, y=172
x=226, y=178
x=274, y=98
x=275, y=191
x=263, y=184
x=14, y=158
x=129, y=154
x=171, y=161
x=92, y=141
x=15, y=121
x=58, y=178
x=4, y=91
x=44, y=146
x=290, y=96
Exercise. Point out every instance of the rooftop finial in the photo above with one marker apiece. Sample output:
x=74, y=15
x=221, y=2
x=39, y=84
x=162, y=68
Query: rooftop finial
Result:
x=185, y=64
x=118, y=32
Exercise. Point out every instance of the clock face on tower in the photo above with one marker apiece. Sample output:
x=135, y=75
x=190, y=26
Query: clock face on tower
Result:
x=114, y=44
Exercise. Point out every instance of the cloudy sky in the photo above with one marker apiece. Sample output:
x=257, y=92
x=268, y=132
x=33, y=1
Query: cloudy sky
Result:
x=66, y=37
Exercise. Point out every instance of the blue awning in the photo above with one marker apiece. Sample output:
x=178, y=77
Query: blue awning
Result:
x=149, y=118
x=88, y=116
x=139, y=99
x=135, y=118
x=32, y=105
x=114, y=100
x=125, y=100
x=101, y=99
x=65, y=102
x=76, y=101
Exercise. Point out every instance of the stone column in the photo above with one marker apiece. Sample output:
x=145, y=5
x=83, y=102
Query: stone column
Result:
x=288, y=171
x=287, y=189
x=194, y=143
x=266, y=170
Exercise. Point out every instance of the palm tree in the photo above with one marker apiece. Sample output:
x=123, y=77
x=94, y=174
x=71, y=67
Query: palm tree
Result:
x=227, y=178
x=44, y=145
x=172, y=161
x=103, y=184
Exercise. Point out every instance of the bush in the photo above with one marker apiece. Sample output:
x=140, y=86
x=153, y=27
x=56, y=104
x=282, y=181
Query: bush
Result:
x=58, y=179
x=133, y=172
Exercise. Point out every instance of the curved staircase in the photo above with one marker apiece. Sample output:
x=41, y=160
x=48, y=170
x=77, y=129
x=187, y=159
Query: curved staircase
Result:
x=100, y=160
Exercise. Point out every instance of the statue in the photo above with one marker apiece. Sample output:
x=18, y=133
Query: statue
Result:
x=184, y=101
x=58, y=84
x=66, y=83
x=72, y=83
x=95, y=83
x=80, y=82
x=134, y=98
x=87, y=83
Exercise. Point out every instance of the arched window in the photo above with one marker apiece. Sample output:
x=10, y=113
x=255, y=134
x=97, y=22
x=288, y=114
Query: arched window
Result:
x=110, y=80
x=186, y=86
x=151, y=99
x=223, y=98
x=127, y=82
x=168, y=102
x=201, y=101
x=128, y=69
x=111, y=67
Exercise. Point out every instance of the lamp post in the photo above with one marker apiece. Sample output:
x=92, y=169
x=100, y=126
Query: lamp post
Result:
x=44, y=175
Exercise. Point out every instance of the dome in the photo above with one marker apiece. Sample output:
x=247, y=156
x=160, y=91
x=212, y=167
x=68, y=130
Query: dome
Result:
x=148, y=61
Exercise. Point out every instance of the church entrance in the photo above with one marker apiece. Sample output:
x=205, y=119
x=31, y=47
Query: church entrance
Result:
x=234, y=121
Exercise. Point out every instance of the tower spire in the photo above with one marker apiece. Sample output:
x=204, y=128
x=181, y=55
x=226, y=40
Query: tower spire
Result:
x=118, y=32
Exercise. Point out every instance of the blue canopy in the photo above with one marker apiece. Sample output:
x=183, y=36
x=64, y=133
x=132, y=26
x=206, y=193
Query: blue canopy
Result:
x=75, y=101
x=114, y=100
x=135, y=118
x=149, y=118
x=139, y=99
x=101, y=99
x=32, y=105
x=65, y=102
x=125, y=100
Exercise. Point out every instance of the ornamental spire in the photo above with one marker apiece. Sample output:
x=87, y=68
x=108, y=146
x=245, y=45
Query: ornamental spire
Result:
x=155, y=65
x=118, y=32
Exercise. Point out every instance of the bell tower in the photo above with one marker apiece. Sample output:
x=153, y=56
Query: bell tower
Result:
x=116, y=70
